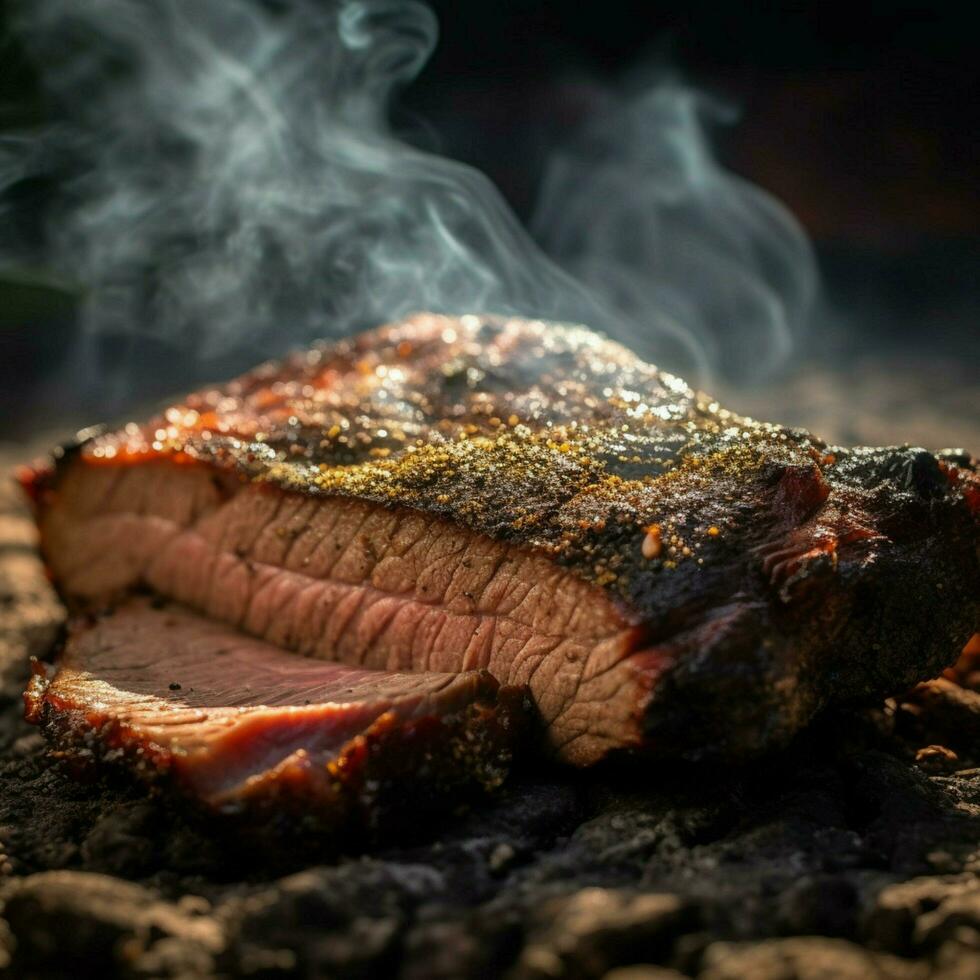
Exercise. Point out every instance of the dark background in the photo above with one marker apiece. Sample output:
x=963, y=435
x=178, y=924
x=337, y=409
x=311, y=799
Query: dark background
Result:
x=864, y=121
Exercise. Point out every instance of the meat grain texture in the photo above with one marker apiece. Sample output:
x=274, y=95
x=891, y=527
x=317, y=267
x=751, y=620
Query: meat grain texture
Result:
x=853, y=852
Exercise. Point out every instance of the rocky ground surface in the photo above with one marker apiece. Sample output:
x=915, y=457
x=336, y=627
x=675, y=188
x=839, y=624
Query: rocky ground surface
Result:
x=856, y=854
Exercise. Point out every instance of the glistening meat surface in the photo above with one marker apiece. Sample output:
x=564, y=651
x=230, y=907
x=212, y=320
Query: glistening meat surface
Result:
x=451, y=494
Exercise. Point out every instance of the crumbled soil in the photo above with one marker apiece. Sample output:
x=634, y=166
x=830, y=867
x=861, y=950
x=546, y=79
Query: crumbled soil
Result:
x=854, y=854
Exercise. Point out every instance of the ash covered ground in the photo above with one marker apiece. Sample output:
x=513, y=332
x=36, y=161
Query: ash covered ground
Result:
x=855, y=854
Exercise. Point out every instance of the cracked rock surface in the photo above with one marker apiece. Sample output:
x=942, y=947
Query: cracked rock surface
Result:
x=854, y=854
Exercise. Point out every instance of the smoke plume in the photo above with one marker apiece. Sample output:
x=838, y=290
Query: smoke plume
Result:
x=640, y=211
x=225, y=179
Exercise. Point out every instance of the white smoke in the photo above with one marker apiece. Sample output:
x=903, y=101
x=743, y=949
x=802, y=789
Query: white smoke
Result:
x=230, y=181
x=640, y=211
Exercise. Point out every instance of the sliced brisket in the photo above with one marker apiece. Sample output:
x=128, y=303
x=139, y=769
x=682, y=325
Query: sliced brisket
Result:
x=233, y=720
x=454, y=494
x=341, y=579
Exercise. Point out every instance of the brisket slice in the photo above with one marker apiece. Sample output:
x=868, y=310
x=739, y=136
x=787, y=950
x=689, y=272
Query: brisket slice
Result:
x=234, y=721
x=451, y=494
x=339, y=579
